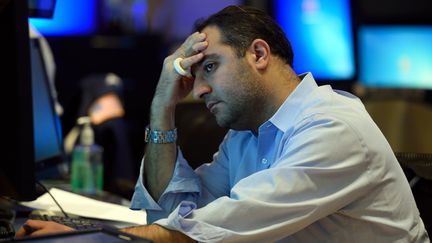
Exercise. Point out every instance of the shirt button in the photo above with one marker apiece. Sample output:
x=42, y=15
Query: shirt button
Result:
x=264, y=161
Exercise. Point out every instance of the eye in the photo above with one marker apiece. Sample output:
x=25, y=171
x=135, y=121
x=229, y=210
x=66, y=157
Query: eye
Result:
x=209, y=67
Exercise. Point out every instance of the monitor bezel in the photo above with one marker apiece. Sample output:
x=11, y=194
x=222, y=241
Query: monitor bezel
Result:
x=17, y=164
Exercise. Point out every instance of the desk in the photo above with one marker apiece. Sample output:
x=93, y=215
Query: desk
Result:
x=102, y=196
x=87, y=207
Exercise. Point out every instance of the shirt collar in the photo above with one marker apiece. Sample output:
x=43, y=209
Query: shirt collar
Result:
x=289, y=110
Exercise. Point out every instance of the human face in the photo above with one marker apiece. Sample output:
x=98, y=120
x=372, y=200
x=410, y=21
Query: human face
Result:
x=228, y=85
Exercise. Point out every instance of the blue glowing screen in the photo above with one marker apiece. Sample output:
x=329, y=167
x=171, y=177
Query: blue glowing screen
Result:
x=46, y=123
x=395, y=56
x=71, y=17
x=320, y=32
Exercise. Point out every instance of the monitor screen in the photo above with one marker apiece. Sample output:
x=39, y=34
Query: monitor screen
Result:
x=320, y=32
x=70, y=18
x=17, y=172
x=46, y=123
x=395, y=56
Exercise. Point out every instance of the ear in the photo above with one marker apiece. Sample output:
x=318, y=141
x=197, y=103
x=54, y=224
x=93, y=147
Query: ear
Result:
x=260, y=54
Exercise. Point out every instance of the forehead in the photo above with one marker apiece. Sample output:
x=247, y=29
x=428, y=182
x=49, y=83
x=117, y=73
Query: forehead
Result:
x=214, y=39
x=215, y=51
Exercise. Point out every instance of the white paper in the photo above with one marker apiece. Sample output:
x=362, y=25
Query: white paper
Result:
x=87, y=207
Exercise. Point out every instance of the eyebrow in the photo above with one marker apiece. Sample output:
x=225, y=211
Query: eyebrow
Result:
x=199, y=64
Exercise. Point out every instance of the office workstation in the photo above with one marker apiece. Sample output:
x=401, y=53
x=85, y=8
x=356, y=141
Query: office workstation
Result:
x=104, y=72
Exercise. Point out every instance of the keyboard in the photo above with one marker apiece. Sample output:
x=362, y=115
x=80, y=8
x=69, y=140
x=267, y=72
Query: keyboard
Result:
x=73, y=222
x=7, y=217
x=7, y=230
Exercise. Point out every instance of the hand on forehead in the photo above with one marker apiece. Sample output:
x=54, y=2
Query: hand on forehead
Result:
x=194, y=50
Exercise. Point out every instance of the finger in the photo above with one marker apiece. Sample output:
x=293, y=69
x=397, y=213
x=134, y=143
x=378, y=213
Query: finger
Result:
x=21, y=232
x=29, y=227
x=188, y=62
x=195, y=37
x=36, y=224
x=50, y=227
x=59, y=228
x=200, y=46
x=39, y=227
x=187, y=49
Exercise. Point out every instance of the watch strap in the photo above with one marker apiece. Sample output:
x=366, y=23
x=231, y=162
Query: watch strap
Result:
x=157, y=136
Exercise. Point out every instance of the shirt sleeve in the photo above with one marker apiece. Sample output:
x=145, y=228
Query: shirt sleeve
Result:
x=315, y=175
x=210, y=182
x=184, y=185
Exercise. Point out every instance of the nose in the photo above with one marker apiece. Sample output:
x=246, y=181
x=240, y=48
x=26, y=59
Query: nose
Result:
x=200, y=88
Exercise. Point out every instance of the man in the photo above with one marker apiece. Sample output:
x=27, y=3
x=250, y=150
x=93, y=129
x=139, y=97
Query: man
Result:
x=301, y=163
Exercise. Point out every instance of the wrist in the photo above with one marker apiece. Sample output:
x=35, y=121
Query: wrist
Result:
x=163, y=102
x=162, y=117
x=158, y=233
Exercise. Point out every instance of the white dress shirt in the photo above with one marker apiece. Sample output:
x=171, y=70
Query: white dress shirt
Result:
x=319, y=170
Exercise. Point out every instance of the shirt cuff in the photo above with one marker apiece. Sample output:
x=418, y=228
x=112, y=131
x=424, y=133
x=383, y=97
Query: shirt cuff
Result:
x=197, y=230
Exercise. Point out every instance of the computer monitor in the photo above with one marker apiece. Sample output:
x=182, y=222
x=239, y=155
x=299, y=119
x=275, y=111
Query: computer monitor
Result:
x=48, y=140
x=395, y=56
x=32, y=131
x=17, y=163
x=320, y=32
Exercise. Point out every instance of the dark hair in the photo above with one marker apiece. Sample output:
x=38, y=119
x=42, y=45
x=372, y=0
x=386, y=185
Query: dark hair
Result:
x=240, y=25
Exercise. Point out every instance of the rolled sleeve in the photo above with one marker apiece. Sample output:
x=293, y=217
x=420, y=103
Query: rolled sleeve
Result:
x=184, y=185
x=141, y=198
x=198, y=230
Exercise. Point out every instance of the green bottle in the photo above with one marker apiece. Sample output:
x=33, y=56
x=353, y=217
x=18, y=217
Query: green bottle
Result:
x=87, y=164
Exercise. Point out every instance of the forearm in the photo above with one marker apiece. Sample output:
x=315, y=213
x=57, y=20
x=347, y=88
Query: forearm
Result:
x=158, y=233
x=172, y=87
x=160, y=158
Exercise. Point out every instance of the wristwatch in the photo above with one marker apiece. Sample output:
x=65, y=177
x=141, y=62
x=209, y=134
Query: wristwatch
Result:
x=155, y=136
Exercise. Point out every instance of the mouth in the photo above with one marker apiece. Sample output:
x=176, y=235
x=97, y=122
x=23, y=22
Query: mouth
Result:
x=211, y=105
